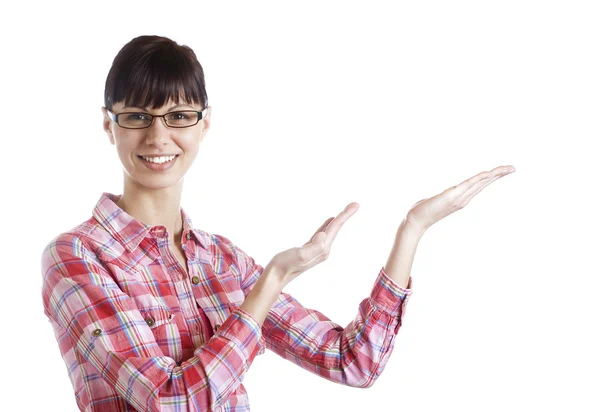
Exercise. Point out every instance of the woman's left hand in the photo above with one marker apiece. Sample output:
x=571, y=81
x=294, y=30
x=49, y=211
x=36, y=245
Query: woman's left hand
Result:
x=428, y=211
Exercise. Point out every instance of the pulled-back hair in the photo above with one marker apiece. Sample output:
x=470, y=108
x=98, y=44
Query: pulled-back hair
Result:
x=150, y=70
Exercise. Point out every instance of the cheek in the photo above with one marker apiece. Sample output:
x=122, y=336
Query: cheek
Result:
x=190, y=144
x=126, y=149
x=125, y=141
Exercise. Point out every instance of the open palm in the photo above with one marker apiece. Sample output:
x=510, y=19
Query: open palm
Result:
x=426, y=212
x=292, y=262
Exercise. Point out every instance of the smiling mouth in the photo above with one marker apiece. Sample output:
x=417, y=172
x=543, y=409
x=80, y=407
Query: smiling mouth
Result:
x=158, y=163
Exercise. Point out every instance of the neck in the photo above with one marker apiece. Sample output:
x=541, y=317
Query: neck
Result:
x=153, y=207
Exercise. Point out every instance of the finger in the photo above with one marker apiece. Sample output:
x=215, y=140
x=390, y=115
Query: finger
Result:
x=333, y=228
x=311, y=252
x=469, y=194
x=323, y=226
x=479, y=187
x=468, y=184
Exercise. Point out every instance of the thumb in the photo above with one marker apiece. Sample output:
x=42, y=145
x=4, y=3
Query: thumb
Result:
x=323, y=226
x=314, y=248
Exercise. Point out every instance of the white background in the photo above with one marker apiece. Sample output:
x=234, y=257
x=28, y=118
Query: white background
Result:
x=317, y=104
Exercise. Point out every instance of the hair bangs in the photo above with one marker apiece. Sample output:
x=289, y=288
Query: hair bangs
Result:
x=155, y=72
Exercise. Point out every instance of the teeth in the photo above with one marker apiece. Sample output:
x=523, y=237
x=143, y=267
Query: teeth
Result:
x=159, y=160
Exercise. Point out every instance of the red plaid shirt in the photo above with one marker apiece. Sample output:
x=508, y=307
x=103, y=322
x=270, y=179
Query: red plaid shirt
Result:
x=137, y=333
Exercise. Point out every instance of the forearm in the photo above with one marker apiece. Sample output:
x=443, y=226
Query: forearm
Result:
x=263, y=295
x=354, y=355
x=401, y=257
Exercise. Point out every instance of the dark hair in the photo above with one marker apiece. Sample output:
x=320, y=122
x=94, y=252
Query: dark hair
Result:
x=150, y=70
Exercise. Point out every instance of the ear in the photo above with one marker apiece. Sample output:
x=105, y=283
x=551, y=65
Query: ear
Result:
x=106, y=121
x=206, y=122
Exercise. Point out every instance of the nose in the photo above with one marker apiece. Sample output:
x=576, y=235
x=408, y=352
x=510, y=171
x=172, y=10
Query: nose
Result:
x=158, y=131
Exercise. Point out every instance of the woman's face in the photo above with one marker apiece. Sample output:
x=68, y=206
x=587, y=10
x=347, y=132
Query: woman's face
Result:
x=158, y=139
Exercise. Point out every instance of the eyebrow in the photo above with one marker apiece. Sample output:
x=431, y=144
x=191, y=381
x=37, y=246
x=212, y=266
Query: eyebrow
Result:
x=143, y=108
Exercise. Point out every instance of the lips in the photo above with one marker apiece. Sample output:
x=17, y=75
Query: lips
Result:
x=142, y=157
x=159, y=155
x=159, y=166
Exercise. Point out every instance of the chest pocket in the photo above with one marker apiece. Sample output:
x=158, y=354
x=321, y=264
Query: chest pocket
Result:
x=166, y=332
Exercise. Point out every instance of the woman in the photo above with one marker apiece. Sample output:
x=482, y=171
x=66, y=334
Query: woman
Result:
x=151, y=313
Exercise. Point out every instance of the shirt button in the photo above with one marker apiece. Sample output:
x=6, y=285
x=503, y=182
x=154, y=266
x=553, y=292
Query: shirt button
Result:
x=150, y=322
x=217, y=327
x=189, y=235
x=97, y=332
x=195, y=280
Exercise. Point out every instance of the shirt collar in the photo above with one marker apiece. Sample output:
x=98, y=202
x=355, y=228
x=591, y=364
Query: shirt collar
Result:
x=129, y=231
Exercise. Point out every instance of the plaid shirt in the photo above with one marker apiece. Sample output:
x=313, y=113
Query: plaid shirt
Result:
x=137, y=333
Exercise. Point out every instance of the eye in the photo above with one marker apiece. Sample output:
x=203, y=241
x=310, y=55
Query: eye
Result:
x=137, y=116
x=180, y=116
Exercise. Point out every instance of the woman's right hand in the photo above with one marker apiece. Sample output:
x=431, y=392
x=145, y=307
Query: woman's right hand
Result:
x=290, y=263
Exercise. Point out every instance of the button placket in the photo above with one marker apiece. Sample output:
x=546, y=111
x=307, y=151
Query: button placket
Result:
x=170, y=259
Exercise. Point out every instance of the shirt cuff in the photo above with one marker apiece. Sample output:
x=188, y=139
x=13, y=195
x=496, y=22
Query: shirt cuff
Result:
x=242, y=329
x=388, y=296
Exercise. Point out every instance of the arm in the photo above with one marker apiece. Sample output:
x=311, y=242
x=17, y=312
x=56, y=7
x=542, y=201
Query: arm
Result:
x=354, y=355
x=400, y=260
x=108, y=330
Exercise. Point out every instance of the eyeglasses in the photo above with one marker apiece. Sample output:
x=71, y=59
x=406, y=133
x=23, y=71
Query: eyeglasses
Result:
x=140, y=120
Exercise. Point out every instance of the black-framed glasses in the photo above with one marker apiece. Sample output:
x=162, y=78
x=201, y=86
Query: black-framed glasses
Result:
x=141, y=120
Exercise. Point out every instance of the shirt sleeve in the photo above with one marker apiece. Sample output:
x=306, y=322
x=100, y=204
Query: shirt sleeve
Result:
x=355, y=355
x=108, y=330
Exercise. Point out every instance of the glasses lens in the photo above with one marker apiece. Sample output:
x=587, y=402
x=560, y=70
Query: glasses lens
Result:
x=134, y=120
x=181, y=119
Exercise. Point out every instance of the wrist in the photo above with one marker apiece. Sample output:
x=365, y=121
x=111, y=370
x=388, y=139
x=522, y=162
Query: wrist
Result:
x=272, y=279
x=411, y=229
x=263, y=295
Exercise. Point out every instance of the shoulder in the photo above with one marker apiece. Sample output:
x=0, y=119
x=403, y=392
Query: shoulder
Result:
x=87, y=241
x=75, y=251
x=68, y=245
